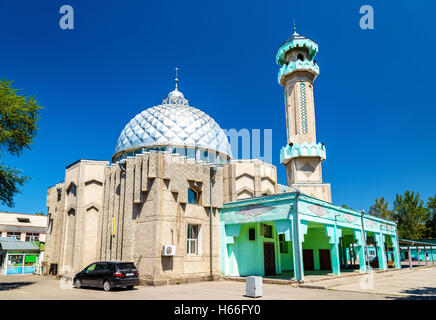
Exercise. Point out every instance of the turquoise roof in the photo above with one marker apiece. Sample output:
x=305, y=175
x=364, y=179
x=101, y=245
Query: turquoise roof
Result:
x=277, y=206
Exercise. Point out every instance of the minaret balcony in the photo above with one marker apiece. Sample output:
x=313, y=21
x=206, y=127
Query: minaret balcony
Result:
x=316, y=150
x=296, y=42
x=305, y=65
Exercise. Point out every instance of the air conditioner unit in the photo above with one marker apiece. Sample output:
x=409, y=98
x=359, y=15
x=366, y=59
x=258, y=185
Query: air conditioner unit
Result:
x=168, y=250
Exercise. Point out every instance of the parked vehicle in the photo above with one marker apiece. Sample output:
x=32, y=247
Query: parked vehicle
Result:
x=374, y=262
x=107, y=275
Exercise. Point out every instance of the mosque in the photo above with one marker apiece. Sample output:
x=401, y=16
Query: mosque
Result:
x=174, y=201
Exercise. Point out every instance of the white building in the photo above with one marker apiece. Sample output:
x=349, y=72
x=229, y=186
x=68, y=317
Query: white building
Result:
x=23, y=227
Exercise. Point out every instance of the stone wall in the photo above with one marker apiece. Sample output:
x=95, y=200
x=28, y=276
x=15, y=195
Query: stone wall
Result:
x=147, y=198
x=53, y=241
x=74, y=209
x=248, y=178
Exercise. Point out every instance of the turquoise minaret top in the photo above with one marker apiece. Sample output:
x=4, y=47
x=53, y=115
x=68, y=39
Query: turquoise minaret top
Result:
x=288, y=64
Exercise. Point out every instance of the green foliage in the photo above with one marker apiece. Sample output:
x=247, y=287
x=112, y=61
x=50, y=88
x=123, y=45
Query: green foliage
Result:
x=381, y=209
x=411, y=215
x=39, y=213
x=18, y=127
x=431, y=222
x=10, y=181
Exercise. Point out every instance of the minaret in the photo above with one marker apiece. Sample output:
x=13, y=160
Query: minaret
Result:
x=303, y=155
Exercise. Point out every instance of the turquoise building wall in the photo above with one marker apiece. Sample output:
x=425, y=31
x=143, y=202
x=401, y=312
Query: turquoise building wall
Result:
x=421, y=254
x=308, y=223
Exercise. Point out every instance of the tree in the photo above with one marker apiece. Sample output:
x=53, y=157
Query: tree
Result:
x=18, y=127
x=431, y=222
x=411, y=215
x=381, y=209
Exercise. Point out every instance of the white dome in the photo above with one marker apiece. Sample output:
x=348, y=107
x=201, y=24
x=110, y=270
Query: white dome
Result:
x=173, y=124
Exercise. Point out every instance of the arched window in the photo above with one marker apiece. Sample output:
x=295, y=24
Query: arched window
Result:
x=193, y=196
x=300, y=57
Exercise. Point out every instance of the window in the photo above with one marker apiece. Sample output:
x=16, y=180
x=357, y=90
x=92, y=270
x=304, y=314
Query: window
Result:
x=23, y=220
x=91, y=267
x=192, y=196
x=32, y=236
x=192, y=239
x=283, y=244
x=101, y=266
x=50, y=225
x=300, y=57
x=59, y=191
x=126, y=266
x=266, y=231
x=15, y=260
x=16, y=235
x=252, y=234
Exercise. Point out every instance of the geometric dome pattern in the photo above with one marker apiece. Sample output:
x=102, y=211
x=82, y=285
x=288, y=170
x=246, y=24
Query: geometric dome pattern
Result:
x=174, y=123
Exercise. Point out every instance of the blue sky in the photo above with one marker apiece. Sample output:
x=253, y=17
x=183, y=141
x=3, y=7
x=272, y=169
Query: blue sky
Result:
x=374, y=98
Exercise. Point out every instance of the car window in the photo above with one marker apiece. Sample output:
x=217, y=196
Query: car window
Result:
x=91, y=267
x=126, y=266
x=101, y=266
x=111, y=267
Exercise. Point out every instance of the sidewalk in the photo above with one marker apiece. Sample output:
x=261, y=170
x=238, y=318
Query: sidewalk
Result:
x=417, y=283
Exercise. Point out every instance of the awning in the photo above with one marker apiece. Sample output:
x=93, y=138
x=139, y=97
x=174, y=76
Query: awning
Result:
x=8, y=244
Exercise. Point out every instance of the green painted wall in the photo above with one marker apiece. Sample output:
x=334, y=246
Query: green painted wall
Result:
x=249, y=260
x=316, y=238
x=287, y=261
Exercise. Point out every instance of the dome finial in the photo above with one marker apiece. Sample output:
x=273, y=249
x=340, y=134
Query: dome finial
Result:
x=176, y=79
x=295, y=29
x=175, y=96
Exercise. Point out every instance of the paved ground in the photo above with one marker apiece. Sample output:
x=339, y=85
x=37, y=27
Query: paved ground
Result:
x=392, y=285
x=416, y=284
x=35, y=287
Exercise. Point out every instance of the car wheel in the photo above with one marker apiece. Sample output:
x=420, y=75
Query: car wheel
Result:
x=130, y=287
x=106, y=286
x=77, y=283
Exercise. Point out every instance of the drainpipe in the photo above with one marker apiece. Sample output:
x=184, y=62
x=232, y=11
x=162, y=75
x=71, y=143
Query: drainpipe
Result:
x=212, y=179
x=365, y=248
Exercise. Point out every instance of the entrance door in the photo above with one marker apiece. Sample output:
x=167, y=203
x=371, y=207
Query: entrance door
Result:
x=308, y=259
x=324, y=259
x=269, y=258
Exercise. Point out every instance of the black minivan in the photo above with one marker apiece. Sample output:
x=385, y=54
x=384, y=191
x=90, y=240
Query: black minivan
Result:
x=107, y=275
